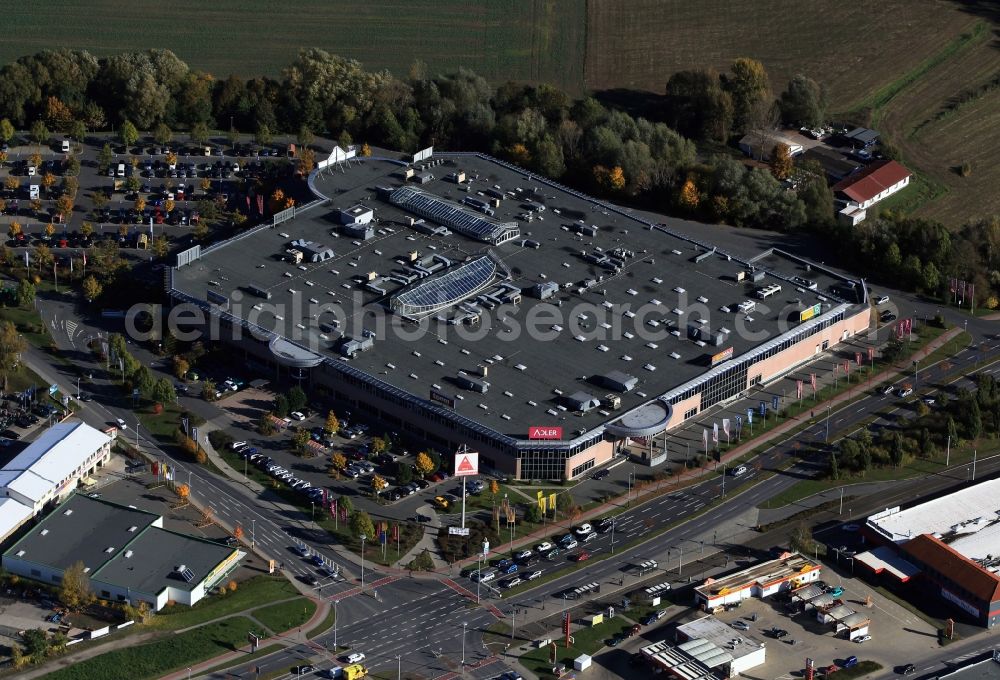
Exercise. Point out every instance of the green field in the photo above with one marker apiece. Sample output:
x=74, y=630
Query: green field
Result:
x=157, y=658
x=285, y=615
x=536, y=40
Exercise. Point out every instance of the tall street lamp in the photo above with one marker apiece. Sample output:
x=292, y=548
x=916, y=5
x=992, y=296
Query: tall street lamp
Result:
x=364, y=537
x=464, y=626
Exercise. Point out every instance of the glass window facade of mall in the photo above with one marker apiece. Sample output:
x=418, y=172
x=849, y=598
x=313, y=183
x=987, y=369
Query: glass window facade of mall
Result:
x=733, y=380
x=580, y=469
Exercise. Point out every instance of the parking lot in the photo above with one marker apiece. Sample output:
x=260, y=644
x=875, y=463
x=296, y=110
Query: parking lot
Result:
x=896, y=633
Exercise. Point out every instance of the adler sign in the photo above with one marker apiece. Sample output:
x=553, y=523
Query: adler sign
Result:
x=542, y=432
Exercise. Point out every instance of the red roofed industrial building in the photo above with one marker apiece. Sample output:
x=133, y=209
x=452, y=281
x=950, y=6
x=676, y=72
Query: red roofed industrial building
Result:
x=869, y=186
x=956, y=578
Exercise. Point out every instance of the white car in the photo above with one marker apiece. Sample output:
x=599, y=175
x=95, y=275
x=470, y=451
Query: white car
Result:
x=523, y=555
x=236, y=445
x=583, y=529
x=882, y=299
x=863, y=638
x=297, y=415
x=355, y=657
x=121, y=423
x=533, y=575
x=543, y=548
x=569, y=545
x=905, y=392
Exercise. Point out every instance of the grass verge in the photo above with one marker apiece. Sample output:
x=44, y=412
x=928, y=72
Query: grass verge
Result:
x=285, y=615
x=255, y=592
x=158, y=658
x=324, y=625
x=585, y=641
x=260, y=653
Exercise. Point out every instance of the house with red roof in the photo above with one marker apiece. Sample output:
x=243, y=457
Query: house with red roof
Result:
x=864, y=189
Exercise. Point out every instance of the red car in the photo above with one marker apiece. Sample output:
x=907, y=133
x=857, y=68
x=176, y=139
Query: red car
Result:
x=583, y=556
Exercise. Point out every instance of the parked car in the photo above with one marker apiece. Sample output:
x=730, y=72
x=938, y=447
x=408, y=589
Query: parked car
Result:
x=589, y=537
x=583, y=529
x=601, y=474
x=543, y=547
x=882, y=300
x=863, y=638
x=523, y=555
x=441, y=502
x=908, y=669
x=850, y=662
x=835, y=591
x=297, y=415
x=738, y=471
x=583, y=556
x=537, y=573
x=905, y=392
x=511, y=582
x=605, y=525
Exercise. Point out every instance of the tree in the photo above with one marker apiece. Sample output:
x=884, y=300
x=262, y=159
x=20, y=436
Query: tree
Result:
x=366, y=150
x=163, y=392
x=975, y=421
x=781, y=161
x=898, y=451
x=200, y=231
x=494, y=488
x=181, y=367
x=747, y=84
x=11, y=347
x=233, y=135
x=39, y=132
x=104, y=158
x=183, y=492
x=344, y=503
x=378, y=483
x=128, y=134
x=616, y=178
x=404, y=472
x=834, y=466
x=143, y=379
x=689, y=196
x=57, y=115
x=263, y=135
x=281, y=406
x=300, y=439
x=533, y=513
x=91, y=288
x=926, y=443
x=803, y=102
x=338, y=460
x=379, y=445
x=78, y=130
x=25, y=294
x=296, y=398
x=36, y=644
x=161, y=246
x=74, y=590
x=361, y=523
x=332, y=425
x=564, y=501
x=423, y=464
x=162, y=134
x=199, y=133
x=208, y=390
x=305, y=136
x=48, y=181
x=11, y=183
x=802, y=539
x=6, y=130
x=238, y=532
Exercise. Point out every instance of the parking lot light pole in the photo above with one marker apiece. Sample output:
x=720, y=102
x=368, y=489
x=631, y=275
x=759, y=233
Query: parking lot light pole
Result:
x=253, y=533
x=399, y=672
x=335, y=626
x=612, y=535
x=479, y=574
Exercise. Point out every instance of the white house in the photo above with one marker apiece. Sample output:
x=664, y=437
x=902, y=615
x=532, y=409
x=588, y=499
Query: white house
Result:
x=864, y=189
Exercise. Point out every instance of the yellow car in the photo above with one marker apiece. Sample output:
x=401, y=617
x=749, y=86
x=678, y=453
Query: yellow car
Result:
x=441, y=502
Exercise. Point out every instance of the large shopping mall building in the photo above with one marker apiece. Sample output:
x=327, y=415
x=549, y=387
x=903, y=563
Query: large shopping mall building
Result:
x=462, y=300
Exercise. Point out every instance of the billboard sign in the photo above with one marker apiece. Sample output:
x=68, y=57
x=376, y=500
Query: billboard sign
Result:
x=543, y=432
x=442, y=398
x=724, y=355
x=423, y=154
x=458, y=531
x=466, y=464
x=809, y=312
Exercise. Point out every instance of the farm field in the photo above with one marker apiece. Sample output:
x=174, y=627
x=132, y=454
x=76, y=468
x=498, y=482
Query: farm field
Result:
x=853, y=48
x=951, y=116
x=534, y=40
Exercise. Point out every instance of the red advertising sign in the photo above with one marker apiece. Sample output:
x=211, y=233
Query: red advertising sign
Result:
x=543, y=432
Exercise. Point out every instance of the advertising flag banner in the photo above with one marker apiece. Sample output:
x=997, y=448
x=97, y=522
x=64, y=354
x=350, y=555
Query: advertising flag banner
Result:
x=774, y=403
x=871, y=354
x=715, y=433
x=739, y=424
x=798, y=389
x=952, y=285
x=961, y=288
x=552, y=502
x=725, y=426
x=750, y=416
x=857, y=358
x=847, y=366
x=542, y=505
x=763, y=408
